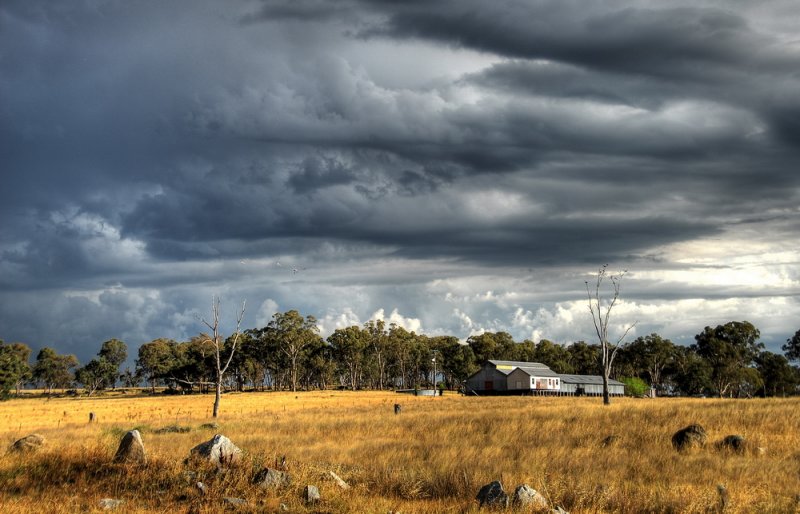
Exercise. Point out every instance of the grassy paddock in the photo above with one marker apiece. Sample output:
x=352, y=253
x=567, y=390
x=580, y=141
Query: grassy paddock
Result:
x=431, y=458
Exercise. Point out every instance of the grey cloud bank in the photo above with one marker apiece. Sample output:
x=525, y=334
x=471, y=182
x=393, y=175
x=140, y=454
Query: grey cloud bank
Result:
x=461, y=166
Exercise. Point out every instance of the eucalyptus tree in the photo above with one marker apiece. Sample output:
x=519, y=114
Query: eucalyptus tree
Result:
x=14, y=367
x=155, y=360
x=792, y=347
x=600, y=308
x=457, y=360
x=402, y=344
x=689, y=373
x=554, y=355
x=584, y=358
x=493, y=345
x=349, y=346
x=293, y=335
x=103, y=371
x=730, y=350
x=779, y=378
x=218, y=346
x=54, y=370
x=652, y=354
x=379, y=344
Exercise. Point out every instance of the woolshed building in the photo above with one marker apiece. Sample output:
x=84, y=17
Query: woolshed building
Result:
x=535, y=378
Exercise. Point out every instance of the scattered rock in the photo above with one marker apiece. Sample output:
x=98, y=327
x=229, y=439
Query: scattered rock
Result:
x=527, y=496
x=609, y=441
x=689, y=437
x=202, y=488
x=559, y=510
x=341, y=483
x=29, y=443
x=397, y=408
x=109, y=503
x=234, y=502
x=131, y=449
x=311, y=494
x=493, y=495
x=209, y=426
x=269, y=477
x=172, y=429
x=284, y=507
x=219, y=451
x=732, y=443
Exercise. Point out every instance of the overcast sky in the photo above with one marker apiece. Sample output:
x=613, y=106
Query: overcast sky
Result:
x=454, y=167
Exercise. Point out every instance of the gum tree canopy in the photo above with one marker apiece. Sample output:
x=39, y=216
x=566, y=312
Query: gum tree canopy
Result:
x=730, y=350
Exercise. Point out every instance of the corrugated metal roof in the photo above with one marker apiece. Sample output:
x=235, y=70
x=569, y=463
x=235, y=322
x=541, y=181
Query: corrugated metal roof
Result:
x=538, y=372
x=587, y=379
x=519, y=364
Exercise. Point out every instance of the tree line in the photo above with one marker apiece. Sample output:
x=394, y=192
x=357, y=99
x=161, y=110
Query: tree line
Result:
x=289, y=354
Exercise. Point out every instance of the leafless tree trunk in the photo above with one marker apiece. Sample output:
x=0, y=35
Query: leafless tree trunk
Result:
x=601, y=314
x=216, y=341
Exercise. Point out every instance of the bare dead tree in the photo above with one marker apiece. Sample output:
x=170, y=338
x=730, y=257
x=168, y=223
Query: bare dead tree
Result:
x=217, y=343
x=601, y=314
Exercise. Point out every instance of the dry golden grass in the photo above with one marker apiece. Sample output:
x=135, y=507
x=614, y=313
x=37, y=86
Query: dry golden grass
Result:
x=431, y=458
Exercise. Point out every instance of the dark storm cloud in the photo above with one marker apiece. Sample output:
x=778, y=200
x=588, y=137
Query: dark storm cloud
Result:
x=524, y=243
x=316, y=10
x=320, y=172
x=679, y=41
x=151, y=151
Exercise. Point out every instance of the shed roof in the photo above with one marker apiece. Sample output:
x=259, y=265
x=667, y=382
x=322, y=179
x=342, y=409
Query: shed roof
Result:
x=518, y=364
x=587, y=379
x=538, y=372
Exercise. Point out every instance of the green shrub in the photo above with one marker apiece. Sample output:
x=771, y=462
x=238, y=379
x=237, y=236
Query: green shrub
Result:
x=635, y=386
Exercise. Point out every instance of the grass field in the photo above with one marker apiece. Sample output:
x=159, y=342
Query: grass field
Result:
x=431, y=458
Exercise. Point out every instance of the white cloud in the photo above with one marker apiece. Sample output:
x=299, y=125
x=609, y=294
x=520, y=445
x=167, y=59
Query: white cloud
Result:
x=335, y=320
x=410, y=324
x=265, y=311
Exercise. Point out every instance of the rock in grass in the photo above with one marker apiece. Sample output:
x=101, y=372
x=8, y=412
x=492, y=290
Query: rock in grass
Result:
x=131, y=449
x=341, y=483
x=311, y=494
x=109, y=503
x=269, y=478
x=559, y=510
x=732, y=443
x=493, y=495
x=689, y=437
x=29, y=443
x=219, y=451
x=209, y=426
x=527, y=496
